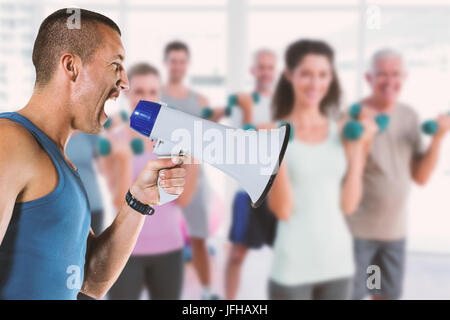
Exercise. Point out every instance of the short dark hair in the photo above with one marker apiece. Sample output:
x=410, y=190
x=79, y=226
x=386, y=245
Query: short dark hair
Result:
x=55, y=37
x=175, y=46
x=283, y=98
x=141, y=69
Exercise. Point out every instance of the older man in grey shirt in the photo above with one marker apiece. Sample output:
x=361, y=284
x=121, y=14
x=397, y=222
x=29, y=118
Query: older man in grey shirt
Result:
x=395, y=158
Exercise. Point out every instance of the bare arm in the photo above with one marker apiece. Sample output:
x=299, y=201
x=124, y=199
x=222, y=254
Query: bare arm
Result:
x=245, y=102
x=352, y=186
x=121, y=159
x=356, y=153
x=218, y=113
x=107, y=254
x=280, y=198
x=422, y=167
x=116, y=168
x=15, y=169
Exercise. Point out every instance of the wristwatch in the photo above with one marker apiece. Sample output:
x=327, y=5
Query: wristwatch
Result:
x=140, y=207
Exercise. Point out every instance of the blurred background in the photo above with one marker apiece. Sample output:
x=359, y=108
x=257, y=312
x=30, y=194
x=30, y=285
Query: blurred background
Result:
x=223, y=34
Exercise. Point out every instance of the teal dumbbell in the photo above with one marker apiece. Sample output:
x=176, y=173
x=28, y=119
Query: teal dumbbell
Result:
x=137, y=145
x=354, y=111
x=207, y=113
x=249, y=126
x=124, y=115
x=256, y=97
x=381, y=119
x=104, y=147
x=107, y=124
x=233, y=101
x=291, y=132
x=353, y=130
x=430, y=127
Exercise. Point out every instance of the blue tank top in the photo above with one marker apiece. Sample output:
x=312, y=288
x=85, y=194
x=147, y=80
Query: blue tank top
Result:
x=43, y=252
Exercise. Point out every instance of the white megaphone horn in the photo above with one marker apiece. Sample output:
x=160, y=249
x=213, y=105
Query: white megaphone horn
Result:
x=259, y=153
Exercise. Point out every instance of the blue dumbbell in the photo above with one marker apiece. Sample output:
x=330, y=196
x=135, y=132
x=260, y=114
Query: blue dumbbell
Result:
x=249, y=126
x=233, y=101
x=107, y=124
x=104, y=147
x=430, y=127
x=137, y=146
x=124, y=115
x=291, y=132
x=207, y=113
x=256, y=97
x=353, y=130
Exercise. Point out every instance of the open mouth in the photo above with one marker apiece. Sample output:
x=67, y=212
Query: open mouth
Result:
x=113, y=94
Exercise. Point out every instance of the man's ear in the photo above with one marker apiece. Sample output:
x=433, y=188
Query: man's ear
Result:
x=71, y=65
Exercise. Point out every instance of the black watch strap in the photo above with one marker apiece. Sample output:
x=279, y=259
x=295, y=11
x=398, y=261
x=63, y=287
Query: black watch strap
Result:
x=138, y=206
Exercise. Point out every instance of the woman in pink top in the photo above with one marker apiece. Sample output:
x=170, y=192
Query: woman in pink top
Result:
x=157, y=260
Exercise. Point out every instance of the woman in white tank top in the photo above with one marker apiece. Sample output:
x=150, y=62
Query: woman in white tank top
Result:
x=319, y=182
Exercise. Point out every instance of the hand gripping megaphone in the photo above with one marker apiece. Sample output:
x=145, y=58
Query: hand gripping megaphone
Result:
x=251, y=157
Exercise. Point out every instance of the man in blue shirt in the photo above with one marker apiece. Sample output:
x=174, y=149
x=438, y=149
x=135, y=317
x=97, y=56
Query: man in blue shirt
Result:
x=47, y=249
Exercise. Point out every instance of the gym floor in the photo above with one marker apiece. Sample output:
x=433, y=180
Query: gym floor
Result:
x=426, y=277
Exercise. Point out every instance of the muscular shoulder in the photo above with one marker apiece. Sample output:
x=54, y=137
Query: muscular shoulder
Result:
x=20, y=152
x=16, y=142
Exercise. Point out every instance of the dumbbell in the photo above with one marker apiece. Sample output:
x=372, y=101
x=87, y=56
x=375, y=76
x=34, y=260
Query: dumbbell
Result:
x=430, y=127
x=207, y=112
x=107, y=124
x=353, y=129
x=256, y=97
x=233, y=101
x=123, y=116
x=104, y=146
x=291, y=132
x=248, y=126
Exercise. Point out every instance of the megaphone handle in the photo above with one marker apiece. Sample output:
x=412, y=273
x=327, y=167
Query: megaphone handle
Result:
x=165, y=197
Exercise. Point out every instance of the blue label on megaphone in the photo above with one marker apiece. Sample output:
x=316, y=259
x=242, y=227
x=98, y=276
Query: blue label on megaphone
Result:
x=144, y=116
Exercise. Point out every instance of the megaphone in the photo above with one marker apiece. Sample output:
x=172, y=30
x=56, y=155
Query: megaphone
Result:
x=251, y=157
